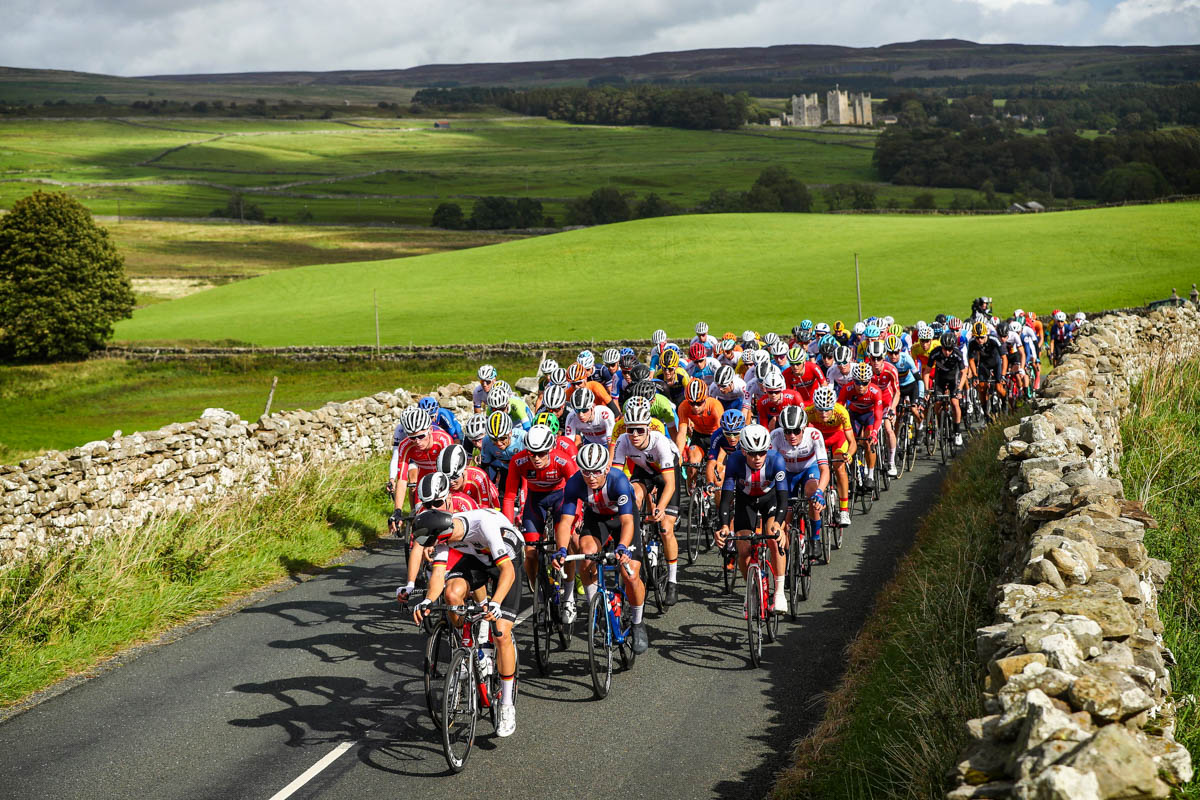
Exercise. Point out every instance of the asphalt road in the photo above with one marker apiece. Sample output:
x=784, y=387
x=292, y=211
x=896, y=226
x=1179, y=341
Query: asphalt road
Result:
x=329, y=669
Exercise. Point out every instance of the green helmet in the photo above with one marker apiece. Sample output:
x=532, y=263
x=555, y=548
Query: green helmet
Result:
x=549, y=419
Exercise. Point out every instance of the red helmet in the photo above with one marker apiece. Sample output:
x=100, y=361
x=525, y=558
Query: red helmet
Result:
x=697, y=351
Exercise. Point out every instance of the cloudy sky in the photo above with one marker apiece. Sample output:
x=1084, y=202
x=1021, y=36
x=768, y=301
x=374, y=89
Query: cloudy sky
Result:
x=145, y=37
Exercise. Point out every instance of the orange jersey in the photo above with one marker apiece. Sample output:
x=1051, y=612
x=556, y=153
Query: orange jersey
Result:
x=706, y=419
x=598, y=391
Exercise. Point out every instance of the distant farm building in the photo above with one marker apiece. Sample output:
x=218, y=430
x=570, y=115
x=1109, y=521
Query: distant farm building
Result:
x=442, y=124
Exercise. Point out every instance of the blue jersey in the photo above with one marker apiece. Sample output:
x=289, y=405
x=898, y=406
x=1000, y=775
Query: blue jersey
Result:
x=906, y=369
x=755, y=482
x=719, y=444
x=494, y=458
x=449, y=423
x=613, y=498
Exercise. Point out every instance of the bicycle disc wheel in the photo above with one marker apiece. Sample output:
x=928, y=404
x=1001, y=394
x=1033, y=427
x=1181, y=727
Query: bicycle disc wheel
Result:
x=543, y=621
x=754, y=611
x=694, y=532
x=460, y=709
x=438, y=649
x=599, y=646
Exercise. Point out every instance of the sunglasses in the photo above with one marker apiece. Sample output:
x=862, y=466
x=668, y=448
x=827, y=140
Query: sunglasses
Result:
x=636, y=431
x=862, y=383
x=755, y=453
x=592, y=473
x=419, y=437
x=774, y=391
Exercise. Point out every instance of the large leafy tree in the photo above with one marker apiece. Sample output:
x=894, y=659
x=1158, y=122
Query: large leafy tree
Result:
x=62, y=281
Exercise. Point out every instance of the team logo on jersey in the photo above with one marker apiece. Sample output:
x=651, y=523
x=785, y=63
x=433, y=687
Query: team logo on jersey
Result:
x=623, y=499
x=779, y=475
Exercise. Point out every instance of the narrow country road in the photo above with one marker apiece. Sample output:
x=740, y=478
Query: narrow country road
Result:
x=327, y=674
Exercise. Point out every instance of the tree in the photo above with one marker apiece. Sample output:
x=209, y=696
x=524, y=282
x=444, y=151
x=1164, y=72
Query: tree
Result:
x=62, y=281
x=1132, y=181
x=653, y=206
x=793, y=195
x=925, y=201
x=601, y=207
x=448, y=216
x=494, y=213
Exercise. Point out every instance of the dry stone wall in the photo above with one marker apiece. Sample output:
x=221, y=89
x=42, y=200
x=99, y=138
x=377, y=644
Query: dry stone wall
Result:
x=1077, y=691
x=65, y=499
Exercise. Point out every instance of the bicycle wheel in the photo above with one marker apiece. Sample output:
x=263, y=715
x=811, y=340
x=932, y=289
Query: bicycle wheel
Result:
x=656, y=562
x=754, y=612
x=460, y=709
x=566, y=630
x=694, y=531
x=944, y=434
x=901, y=443
x=707, y=529
x=772, y=616
x=628, y=657
x=880, y=461
x=910, y=452
x=729, y=572
x=438, y=649
x=543, y=620
x=865, y=496
x=875, y=475
x=832, y=508
x=797, y=590
x=599, y=646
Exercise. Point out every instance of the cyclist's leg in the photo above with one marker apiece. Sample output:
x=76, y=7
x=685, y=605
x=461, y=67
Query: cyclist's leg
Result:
x=889, y=432
x=670, y=543
x=533, y=522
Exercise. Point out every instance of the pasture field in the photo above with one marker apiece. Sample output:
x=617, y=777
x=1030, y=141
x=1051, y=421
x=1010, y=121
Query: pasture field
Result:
x=398, y=170
x=765, y=270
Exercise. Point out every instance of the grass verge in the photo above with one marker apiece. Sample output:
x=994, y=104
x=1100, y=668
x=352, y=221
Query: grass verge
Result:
x=1161, y=467
x=63, y=614
x=896, y=723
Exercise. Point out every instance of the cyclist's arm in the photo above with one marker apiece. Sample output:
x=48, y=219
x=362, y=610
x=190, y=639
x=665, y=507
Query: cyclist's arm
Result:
x=437, y=579
x=512, y=484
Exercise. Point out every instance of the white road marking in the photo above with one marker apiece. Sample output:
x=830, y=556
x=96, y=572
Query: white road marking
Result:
x=312, y=772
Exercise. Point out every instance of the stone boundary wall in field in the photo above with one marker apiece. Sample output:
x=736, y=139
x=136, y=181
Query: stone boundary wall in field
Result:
x=1077, y=690
x=66, y=499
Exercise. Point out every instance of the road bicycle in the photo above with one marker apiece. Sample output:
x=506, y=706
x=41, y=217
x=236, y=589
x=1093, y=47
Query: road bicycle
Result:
x=798, y=568
x=881, y=461
x=943, y=422
x=761, y=619
x=866, y=488
x=699, y=517
x=549, y=597
x=609, y=622
x=906, y=436
x=654, y=561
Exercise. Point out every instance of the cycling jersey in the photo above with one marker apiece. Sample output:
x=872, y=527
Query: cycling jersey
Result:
x=709, y=341
x=425, y=460
x=770, y=407
x=658, y=456
x=754, y=389
x=834, y=431
x=662, y=409
x=922, y=352
x=615, y=497
x=703, y=368
x=676, y=390
x=494, y=458
x=479, y=487
x=479, y=397
x=864, y=403
x=720, y=444
x=837, y=378
x=810, y=451
x=740, y=479
x=734, y=398
x=619, y=428
x=947, y=365
x=887, y=380
x=987, y=356
x=706, y=419
x=490, y=538
x=598, y=431
x=518, y=410
x=602, y=396
x=804, y=379
x=456, y=502
x=522, y=473
x=906, y=369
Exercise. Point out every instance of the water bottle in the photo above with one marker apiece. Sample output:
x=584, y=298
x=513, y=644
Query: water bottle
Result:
x=652, y=555
x=614, y=603
x=485, y=659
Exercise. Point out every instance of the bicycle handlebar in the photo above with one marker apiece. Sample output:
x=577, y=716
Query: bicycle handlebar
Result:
x=608, y=559
x=472, y=611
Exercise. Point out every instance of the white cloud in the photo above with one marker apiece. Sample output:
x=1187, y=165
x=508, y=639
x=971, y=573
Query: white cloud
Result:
x=1154, y=22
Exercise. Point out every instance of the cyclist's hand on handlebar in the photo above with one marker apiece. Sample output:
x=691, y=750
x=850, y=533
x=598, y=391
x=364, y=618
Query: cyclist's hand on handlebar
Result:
x=395, y=520
x=721, y=535
x=403, y=593
x=422, y=610
x=493, y=611
x=657, y=514
x=558, y=557
x=622, y=553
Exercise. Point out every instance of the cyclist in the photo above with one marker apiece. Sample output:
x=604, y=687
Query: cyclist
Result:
x=501, y=398
x=840, y=333
x=474, y=432
x=1029, y=341
x=776, y=397
x=911, y=388
x=950, y=376
x=606, y=374
x=474, y=549
x=704, y=338
x=779, y=355
x=1014, y=353
x=888, y=380
x=729, y=354
x=577, y=378
x=832, y=419
x=661, y=408
x=730, y=390
x=841, y=374
x=654, y=470
x=671, y=378
x=802, y=375
x=699, y=418
x=433, y=491
x=723, y=443
x=639, y=373
x=702, y=366
x=603, y=497
x=487, y=379
x=441, y=417
x=414, y=457
x=553, y=404
x=807, y=465
x=587, y=421
x=864, y=401
x=922, y=350
x=541, y=470
x=802, y=334
x=466, y=478
x=755, y=491
x=500, y=445
x=1060, y=336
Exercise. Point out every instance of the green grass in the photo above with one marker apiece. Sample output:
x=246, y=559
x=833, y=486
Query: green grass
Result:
x=896, y=723
x=60, y=406
x=759, y=270
x=63, y=614
x=1160, y=466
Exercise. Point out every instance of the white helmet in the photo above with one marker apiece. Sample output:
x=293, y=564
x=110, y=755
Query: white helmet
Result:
x=452, y=461
x=658, y=337
x=415, y=419
x=592, y=457
x=762, y=369
x=581, y=399
x=1061, y=316
x=859, y=328
x=433, y=487
x=824, y=398
x=724, y=376
x=755, y=439
x=611, y=356
x=762, y=357
x=1080, y=317
x=548, y=366
x=748, y=336
x=778, y=349
x=701, y=328
x=1018, y=314
x=486, y=373
x=557, y=377
x=540, y=439
x=821, y=329
x=476, y=426
x=748, y=356
x=888, y=322
x=499, y=397
x=587, y=360
x=920, y=324
x=555, y=397
x=773, y=381
x=637, y=411
x=770, y=339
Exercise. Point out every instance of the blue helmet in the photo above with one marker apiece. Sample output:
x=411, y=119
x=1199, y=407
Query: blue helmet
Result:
x=806, y=324
x=826, y=342
x=872, y=320
x=872, y=331
x=429, y=405
x=732, y=421
x=937, y=328
x=627, y=351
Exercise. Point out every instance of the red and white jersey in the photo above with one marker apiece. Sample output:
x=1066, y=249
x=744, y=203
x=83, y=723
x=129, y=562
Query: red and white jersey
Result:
x=805, y=380
x=522, y=473
x=479, y=487
x=839, y=379
x=768, y=409
x=799, y=457
x=454, y=504
x=425, y=460
x=489, y=537
x=598, y=431
x=888, y=381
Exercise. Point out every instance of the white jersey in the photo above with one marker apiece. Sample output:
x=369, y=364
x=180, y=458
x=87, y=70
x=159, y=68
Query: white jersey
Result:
x=1029, y=336
x=837, y=378
x=490, y=537
x=732, y=359
x=598, y=431
x=754, y=389
x=709, y=341
x=479, y=396
x=799, y=457
x=738, y=392
x=660, y=454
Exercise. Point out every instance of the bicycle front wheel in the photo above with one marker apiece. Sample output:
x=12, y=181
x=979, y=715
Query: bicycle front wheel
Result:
x=460, y=709
x=695, y=530
x=438, y=649
x=543, y=621
x=754, y=613
x=600, y=645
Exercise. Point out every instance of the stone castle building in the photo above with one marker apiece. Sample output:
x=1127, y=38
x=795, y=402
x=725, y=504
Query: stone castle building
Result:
x=841, y=108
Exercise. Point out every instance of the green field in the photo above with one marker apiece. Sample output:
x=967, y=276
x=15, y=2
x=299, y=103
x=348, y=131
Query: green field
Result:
x=398, y=170
x=766, y=271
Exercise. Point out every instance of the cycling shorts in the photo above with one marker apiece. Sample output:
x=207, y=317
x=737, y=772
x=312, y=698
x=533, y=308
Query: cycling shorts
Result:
x=537, y=506
x=736, y=403
x=749, y=510
x=701, y=440
x=477, y=574
x=861, y=422
x=797, y=480
x=607, y=530
x=654, y=481
x=989, y=373
x=911, y=392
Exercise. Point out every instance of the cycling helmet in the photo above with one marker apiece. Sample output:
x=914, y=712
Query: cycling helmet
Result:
x=877, y=349
x=773, y=382
x=611, y=356
x=925, y=333
x=581, y=400
x=896, y=329
x=872, y=320
x=576, y=373
x=639, y=373
x=887, y=321
x=435, y=486
x=821, y=329
x=1002, y=328
x=954, y=324
x=476, y=427
x=540, y=439
x=1080, y=316
x=796, y=331
x=499, y=425
x=431, y=525
x=748, y=337
x=1060, y=316
x=762, y=357
x=1031, y=315
x=555, y=397
x=748, y=356
x=548, y=366
x=549, y=419
x=828, y=347
x=637, y=411
x=859, y=328
x=806, y=330
x=949, y=340
x=732, y=422
x=762, y=369
x=586, y=360
x=825, y=398
x=792, y=419
x=995, y=320
x=843, y=355
x=755, y=439
x=797, y=355
x=771, y=338
x=728, y=345
x=871, y=331
x=557, y=377
x=863, y=373
x=1019, y=314
x=724, y=376
x=701, y=328
x=669, y=359
x=592, y=457
x=416, y=419
x=940, y=319
x=778, y=350
x=697, y=351
x=893, y=343
x=728, y=336
x=697, y=391
x=486, y=373
x=628, y=360
x=658, y=337
x=499, y=397
x=937, y=328
x=452, y=461
x=979, y=329
x=645, y=390
x=430, y=406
